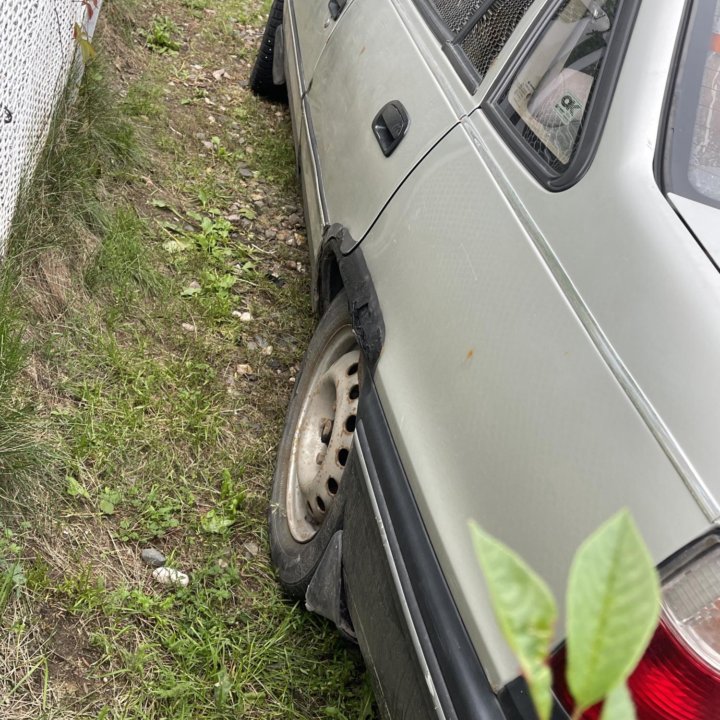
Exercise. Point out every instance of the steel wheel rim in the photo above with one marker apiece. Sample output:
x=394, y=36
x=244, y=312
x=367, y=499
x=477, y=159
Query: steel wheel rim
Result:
x=323, y=436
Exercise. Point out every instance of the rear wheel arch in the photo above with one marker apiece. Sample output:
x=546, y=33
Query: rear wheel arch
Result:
x=330, y=281
x=341, y=266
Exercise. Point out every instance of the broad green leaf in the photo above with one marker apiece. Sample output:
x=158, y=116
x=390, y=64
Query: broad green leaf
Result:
x=107, y=507
x=613, y=604
x=216, y=522
x=83, y=41
x=75, y=488
x=619, y=705
x=525, y=610
x=176, y=246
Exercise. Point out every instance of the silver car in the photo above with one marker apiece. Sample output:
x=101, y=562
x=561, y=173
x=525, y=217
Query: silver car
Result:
x=513, y=213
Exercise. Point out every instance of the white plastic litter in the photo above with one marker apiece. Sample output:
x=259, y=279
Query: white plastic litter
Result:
x=37, y=48
x=169, y=576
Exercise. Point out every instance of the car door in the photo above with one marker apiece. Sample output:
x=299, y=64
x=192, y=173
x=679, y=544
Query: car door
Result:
x=376, y=108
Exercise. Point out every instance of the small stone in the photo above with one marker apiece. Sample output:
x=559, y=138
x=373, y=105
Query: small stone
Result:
x=245, y=172
x=152, y=557
x=244, y=369
x=207, y=145
x=268, y=350
x=170, y=576
x=291, y=380
x=252, y=548
x=189, y=327
x=195, y=285
x=245, y=317
x=220, y=74
x=233, y=218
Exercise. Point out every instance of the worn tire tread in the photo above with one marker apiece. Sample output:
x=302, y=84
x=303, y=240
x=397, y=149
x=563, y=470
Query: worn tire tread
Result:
x=261, y=76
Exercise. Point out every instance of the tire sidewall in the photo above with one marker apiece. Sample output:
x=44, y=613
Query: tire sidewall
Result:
x=295, y=561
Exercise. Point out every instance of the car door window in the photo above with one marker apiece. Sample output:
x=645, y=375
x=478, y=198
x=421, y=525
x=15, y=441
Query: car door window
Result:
x=554, y=94
x=548, y=98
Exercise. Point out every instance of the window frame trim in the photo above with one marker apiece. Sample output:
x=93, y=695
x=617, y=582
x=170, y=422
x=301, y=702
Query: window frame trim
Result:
x=597, y=111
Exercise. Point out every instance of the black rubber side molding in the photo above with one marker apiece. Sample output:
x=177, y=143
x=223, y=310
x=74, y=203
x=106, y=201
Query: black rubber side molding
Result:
x=459, y=679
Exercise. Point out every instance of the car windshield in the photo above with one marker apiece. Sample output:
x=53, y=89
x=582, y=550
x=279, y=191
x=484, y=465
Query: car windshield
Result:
x=693, y=170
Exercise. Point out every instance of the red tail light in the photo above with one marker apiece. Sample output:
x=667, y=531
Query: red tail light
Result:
x=679, y=676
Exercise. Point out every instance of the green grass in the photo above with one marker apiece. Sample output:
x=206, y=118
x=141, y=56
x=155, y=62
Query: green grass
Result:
x=124, y=420
x=161, y=36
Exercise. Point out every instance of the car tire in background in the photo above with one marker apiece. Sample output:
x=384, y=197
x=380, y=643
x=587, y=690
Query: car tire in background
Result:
x=261, y=76
x=306, y=508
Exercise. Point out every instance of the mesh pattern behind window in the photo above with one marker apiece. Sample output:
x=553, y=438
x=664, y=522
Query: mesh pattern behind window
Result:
x=488, y=37
x=456, y=13
x=36, y=53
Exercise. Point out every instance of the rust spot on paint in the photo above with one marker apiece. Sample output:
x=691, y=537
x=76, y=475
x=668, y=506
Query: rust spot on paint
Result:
x=470, y=354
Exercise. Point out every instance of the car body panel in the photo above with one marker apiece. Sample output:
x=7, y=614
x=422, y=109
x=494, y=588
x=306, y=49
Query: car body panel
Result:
x=548, y=445
x=584, y=322
x=644, y=278
x=345, y=97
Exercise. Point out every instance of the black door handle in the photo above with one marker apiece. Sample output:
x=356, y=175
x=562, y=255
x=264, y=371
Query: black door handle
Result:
x=390, y=126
